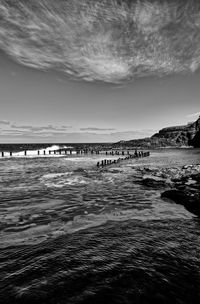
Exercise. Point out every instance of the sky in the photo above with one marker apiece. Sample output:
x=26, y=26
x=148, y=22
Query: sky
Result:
x=119, y=71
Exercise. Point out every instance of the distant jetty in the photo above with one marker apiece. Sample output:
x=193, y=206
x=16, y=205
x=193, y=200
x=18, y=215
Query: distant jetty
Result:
x=70, y=151
x=136, y=154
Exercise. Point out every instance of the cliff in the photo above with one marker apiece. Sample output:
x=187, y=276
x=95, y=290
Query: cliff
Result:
x=176, y=136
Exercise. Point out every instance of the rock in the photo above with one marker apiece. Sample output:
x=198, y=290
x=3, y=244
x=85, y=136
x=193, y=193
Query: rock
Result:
x=186, y=189
x=154, y=181
x=190, y=182
x=183, y=184
x=190, y=200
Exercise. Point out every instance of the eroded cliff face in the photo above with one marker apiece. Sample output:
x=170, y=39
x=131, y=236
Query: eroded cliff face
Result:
x=180, y=135
x=177, y=136
x=196, y=140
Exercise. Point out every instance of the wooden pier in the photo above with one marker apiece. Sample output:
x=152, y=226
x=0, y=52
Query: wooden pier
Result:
x=65, y=151
x=137, y=154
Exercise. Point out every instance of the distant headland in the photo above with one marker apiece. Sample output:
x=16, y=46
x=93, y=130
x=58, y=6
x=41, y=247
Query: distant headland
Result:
x=176, y=136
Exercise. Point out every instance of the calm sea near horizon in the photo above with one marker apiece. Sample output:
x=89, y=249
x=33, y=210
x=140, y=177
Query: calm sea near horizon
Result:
x=72, y=233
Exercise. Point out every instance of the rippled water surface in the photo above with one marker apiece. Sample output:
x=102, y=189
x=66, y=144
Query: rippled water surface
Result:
x=72, y=233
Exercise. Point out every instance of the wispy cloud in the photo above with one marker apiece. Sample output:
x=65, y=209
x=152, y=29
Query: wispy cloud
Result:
x=11, y=132
x=96, y=129
x=4, y=122
x=48, y=128
x=51, y=133
x=111, y=41
x=194, y=114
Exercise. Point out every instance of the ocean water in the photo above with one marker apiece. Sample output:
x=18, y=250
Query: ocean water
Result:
x=73, y=233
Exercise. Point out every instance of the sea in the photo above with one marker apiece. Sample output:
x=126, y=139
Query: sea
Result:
x=73, y=233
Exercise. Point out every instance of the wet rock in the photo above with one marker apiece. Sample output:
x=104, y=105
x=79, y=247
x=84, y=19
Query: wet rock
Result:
x=186, y=189
x=154, y=181
x=190, y=200
x=183, y=184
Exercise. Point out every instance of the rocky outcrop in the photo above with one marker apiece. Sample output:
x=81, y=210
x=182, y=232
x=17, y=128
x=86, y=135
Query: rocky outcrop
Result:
x=177, y=136
x=181, y=135
x=195, y=142
x=180, y=185
x=186, y=192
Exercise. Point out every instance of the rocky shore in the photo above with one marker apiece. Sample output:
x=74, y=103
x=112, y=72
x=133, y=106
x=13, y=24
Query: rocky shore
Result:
x=180, y=185
x=176, y=136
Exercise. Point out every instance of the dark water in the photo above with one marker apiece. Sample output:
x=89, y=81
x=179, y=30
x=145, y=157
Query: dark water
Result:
x=73, y=234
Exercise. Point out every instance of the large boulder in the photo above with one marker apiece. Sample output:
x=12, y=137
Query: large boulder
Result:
x=186, y=192
x=195, y=142
x=154, y=181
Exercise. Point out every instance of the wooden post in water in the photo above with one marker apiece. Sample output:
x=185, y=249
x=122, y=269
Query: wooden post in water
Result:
x=54, y=151
x=2, y=154
x=38, y=152
x=25, y=153
x=49, y=152
x=44, y=152
x=136, y=153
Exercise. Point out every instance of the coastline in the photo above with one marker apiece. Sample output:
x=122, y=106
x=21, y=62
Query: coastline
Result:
x=182, y=185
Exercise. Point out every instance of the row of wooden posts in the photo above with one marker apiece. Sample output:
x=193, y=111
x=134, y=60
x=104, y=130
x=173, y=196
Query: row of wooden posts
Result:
x=60, y=151
x=85, y=151
x=137, y=154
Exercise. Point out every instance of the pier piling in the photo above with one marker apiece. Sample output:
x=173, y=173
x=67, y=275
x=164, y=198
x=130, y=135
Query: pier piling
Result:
x=129, y=156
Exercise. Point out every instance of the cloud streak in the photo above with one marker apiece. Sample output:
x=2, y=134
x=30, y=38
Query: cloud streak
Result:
x=4, y=122
x=111, y=41
x=53, y=133
x=49, y=128
x=96, y=129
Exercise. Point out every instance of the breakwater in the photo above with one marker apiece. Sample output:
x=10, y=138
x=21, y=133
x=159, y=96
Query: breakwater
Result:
x=137, y=154
x=67, y=151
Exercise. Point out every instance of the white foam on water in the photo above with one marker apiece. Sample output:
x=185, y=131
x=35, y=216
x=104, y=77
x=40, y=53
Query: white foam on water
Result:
x=34, y=153
x=55, y=175
x=59, y=180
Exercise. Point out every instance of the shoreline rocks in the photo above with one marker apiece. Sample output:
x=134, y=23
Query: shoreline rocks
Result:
x=183, y=185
